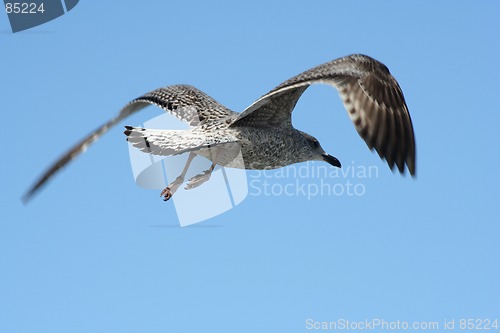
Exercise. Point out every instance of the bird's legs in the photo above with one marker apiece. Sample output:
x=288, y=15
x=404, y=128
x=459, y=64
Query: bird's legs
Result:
x=173, y=186
x=201, y=178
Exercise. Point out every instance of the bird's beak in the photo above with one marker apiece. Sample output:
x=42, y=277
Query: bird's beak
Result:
x=332, y=160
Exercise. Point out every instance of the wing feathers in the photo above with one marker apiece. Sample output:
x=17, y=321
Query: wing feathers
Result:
x=371, y=95
x=184, y=102
x=187, y=103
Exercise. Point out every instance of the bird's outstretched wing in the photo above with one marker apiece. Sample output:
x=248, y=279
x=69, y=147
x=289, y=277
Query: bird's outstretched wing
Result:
x=371, y=95
x=184, y=102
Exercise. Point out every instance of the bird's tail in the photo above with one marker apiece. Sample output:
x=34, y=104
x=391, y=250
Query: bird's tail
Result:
x=172, y=142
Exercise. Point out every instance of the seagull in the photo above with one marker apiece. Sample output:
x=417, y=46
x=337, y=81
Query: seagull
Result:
x=263, y=134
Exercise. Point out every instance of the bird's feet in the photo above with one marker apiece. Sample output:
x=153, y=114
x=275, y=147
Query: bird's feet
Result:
x=169, y=191
x=198, y=180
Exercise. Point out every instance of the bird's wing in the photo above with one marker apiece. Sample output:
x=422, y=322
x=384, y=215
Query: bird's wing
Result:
x=184, y=102
x=371, y=95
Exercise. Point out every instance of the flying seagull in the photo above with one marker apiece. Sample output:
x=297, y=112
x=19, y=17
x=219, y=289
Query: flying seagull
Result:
x=263, y=133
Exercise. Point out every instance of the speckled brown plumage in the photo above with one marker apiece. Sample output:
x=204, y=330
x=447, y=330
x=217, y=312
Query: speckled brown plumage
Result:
x=263, y=132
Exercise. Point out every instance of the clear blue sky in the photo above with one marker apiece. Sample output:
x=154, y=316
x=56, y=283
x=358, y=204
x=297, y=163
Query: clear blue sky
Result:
x=95, y=253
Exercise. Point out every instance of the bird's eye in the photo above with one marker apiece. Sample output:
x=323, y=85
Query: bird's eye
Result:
x=315, y=143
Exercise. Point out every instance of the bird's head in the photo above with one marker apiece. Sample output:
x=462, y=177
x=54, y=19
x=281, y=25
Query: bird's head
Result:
x=314, y=151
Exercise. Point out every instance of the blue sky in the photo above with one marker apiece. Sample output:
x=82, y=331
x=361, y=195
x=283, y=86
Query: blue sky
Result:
x=95, y=253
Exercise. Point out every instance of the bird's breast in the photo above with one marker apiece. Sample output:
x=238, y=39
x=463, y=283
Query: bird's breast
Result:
x=266, y=148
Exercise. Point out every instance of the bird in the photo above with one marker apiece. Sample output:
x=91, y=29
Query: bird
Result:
x=263, y=134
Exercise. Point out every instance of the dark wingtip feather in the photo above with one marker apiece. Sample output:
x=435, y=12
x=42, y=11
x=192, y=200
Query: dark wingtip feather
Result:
x=26, y=198
x=401, y=166
x=412, y=169
x=390, y=162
